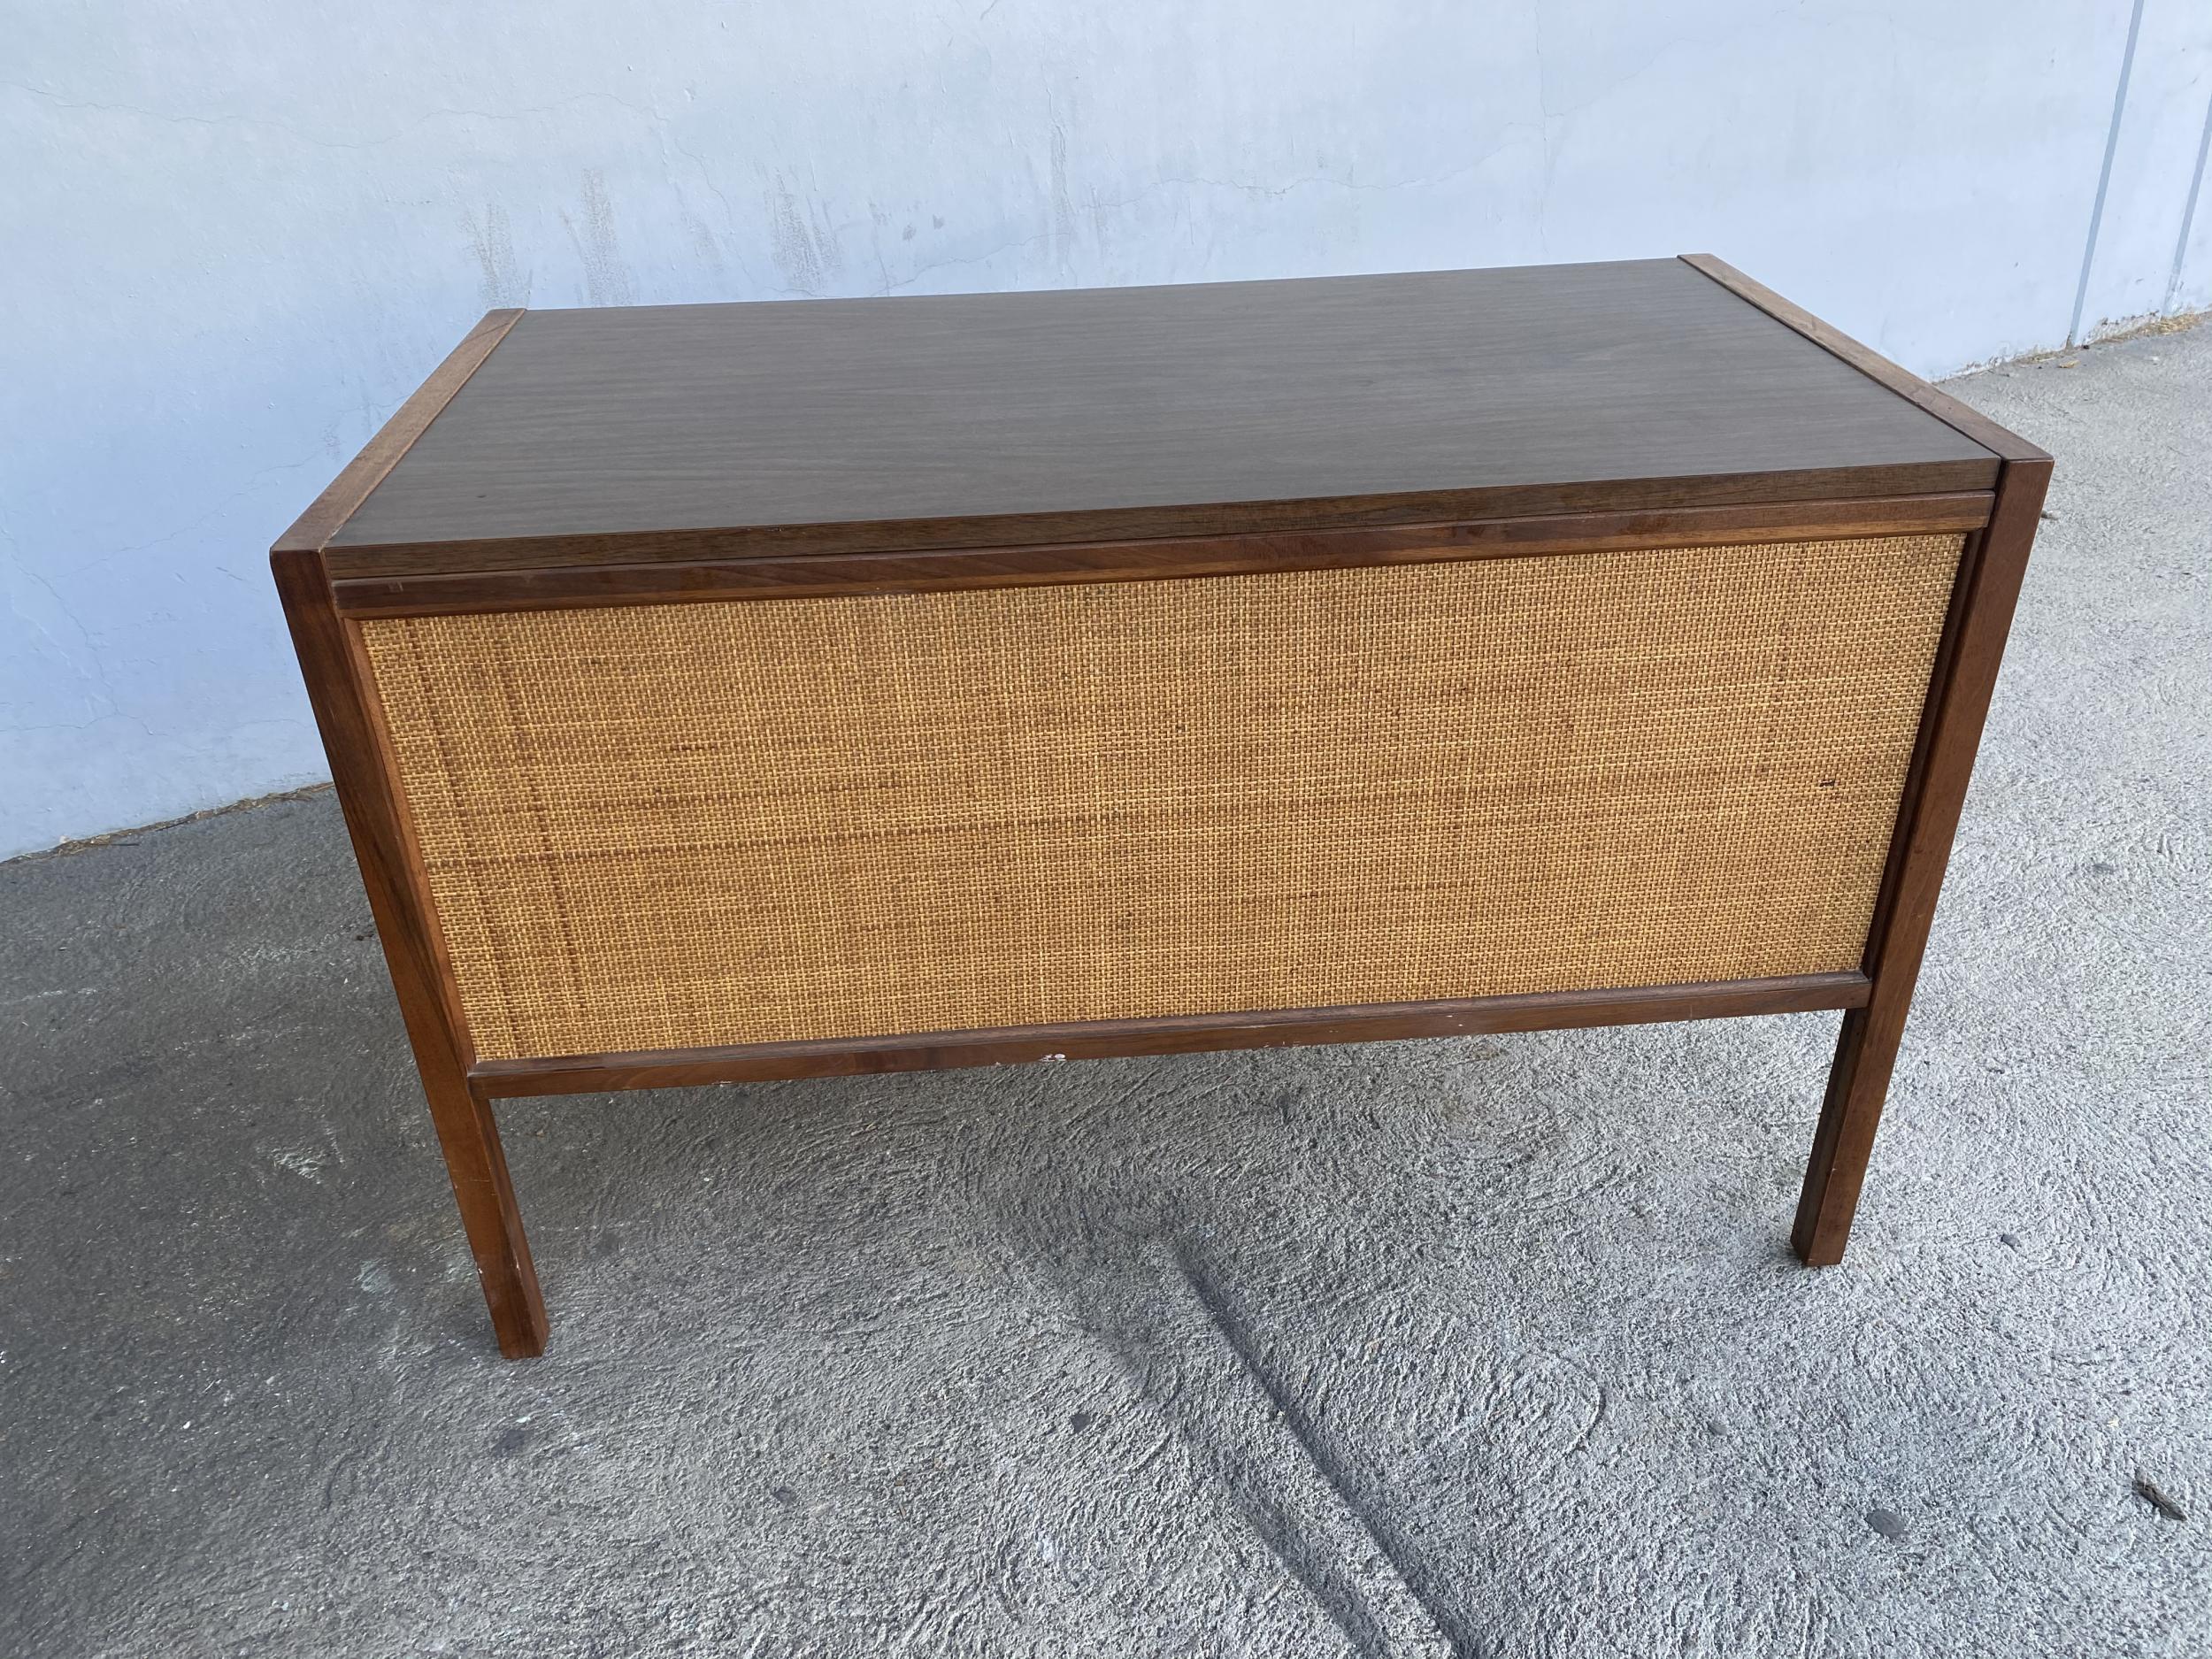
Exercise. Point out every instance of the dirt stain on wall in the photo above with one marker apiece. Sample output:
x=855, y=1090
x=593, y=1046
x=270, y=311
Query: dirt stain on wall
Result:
x=606, y=279
x=501, y=279
x=805, y=251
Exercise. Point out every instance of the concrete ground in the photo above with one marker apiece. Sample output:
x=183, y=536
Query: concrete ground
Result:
x=1475, y=1347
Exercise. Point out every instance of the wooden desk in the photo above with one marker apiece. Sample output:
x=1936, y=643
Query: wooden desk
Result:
x=726, y=692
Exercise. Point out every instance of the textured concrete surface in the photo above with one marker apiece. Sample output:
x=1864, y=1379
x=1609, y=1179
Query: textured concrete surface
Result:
x=1479, y=1346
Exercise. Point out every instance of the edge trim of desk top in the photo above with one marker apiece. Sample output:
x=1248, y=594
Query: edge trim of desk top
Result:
x=814, y=576
x=1687, y=497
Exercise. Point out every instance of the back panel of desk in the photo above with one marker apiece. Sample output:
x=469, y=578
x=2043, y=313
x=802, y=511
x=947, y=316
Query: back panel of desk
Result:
x=687, y=826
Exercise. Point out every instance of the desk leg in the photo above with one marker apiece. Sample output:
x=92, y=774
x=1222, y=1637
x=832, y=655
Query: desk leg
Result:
x=1958, y=703
x=1858, y=1084
x=478, y=1165
x=339, y=688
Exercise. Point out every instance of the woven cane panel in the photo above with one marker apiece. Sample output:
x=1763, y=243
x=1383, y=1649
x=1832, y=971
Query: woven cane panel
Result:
x=686, y=825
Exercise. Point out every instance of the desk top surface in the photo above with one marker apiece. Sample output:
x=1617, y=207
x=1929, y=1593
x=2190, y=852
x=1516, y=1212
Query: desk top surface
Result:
x=980, y=419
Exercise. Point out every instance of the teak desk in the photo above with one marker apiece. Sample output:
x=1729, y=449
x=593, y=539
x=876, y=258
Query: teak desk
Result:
x=723, y=692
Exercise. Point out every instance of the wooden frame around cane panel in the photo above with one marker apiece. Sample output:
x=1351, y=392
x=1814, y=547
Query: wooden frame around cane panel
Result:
x=330, y=588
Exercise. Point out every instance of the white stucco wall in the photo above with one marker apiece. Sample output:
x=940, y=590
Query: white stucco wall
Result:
x=234, y=234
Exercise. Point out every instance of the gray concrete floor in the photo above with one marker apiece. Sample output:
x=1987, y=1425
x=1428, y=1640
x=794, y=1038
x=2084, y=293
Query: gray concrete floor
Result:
x=1477, y=1346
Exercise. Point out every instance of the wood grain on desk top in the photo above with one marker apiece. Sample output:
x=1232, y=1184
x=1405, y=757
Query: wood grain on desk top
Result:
x=689, y=431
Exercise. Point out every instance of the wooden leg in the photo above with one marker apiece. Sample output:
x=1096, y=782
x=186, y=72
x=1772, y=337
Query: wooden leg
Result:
x=1966, y=673
x=479, y=1169
x=339, y=685
x=1858, y=1084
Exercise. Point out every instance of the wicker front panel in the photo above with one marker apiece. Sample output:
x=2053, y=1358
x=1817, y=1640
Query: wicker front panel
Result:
x=686, y=825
